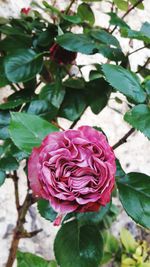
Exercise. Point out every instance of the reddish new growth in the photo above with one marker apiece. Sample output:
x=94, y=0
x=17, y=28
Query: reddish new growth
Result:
x=25, y=10
x=61, y=55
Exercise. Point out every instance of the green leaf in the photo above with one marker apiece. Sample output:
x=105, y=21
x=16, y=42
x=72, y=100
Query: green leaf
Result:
x=138, y=35
x=4, y=122
x=77, y=43
x=93, y=217
x=8, y=164
x=140, y=5
x=97, y=94
x=54, y=96
x=105, y=37
x=115, y=20
x=27, y=131
x=3, y=79
x=125, y=82
x=73, y=104
x=75, y=19
x=2, y=177
x=134, y=193
x=25, y=259
x=85, y=13
x=45, y=210
x=78, y=247
x=23, y=65
x=42, y=108
x=128, y=241
x=121, y=4
x=139, y=118
x=75, y=82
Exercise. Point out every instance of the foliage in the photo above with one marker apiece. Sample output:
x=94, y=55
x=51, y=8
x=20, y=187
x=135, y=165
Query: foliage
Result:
x=38, y=53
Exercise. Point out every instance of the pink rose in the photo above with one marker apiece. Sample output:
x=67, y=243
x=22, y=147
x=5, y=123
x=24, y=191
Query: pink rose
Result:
x=74, y=170
x=25, y=10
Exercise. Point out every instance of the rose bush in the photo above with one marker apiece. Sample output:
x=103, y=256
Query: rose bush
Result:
x=73, y=169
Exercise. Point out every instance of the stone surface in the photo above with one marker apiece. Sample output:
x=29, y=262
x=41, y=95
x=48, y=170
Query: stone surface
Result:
x=134, y=155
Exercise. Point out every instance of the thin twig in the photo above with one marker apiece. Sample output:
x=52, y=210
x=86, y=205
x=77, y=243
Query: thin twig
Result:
x=69, y=7
x=30, y=234
x=127, y=13
x=131, y=53
x=123, y=139
x=144, y=66
x=15, y=179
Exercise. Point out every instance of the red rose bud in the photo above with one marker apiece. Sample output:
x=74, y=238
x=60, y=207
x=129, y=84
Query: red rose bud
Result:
x=61, y=55
x=25, y=10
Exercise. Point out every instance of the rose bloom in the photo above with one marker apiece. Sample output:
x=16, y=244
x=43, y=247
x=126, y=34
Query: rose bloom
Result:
x=74, y=170
x=61, y=55
x=25, y=10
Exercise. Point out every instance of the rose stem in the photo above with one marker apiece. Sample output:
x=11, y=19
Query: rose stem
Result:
x=19, y=231
x=123, y=139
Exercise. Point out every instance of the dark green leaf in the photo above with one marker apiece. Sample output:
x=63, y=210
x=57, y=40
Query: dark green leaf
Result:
x=77, y=43
x=3, y=79
x=75, y=82
x=23, y=65
x=76, y=247
x=97, y=94
x=45, y=210
x=50, y=93
x=115, y=20
x=8, y=164
x=125, y=82
x=93, y=217
x=73, y=19
x=73, y=105
x=105, y=37
x=4, y=122
x=119, y=172
x=134, y=192
x=2, y=177
x=27, y=131
x=25, y=259
x=85, y=13
x=42, y=108
x=139, y=118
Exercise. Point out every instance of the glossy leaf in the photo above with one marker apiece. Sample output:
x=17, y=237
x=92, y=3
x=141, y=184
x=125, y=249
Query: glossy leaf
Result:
x=78, y=247
x=4, y=122
x=23, y=65
x=3, y=79
x=42, y=108
x=117, y=21
x=27, y=131
x=25, y=259
x=125, y=82
x=105, y=37
x=45, y=210
x=138, y=35
x=121, y=4
x=77, y=43
x=97, y=94
x=8, y=163
x=134, y=193
x=51, y=94
x=139, y=118
x=73, y=105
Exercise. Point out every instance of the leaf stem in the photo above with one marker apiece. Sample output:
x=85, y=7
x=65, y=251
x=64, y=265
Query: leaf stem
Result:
x=144, y=66
x=123, y=139
x=76, y=121
x=131, y=53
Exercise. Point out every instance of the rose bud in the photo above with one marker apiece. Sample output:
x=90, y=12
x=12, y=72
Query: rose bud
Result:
x=25, y=10
x=74, y=170
x=61, y=55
